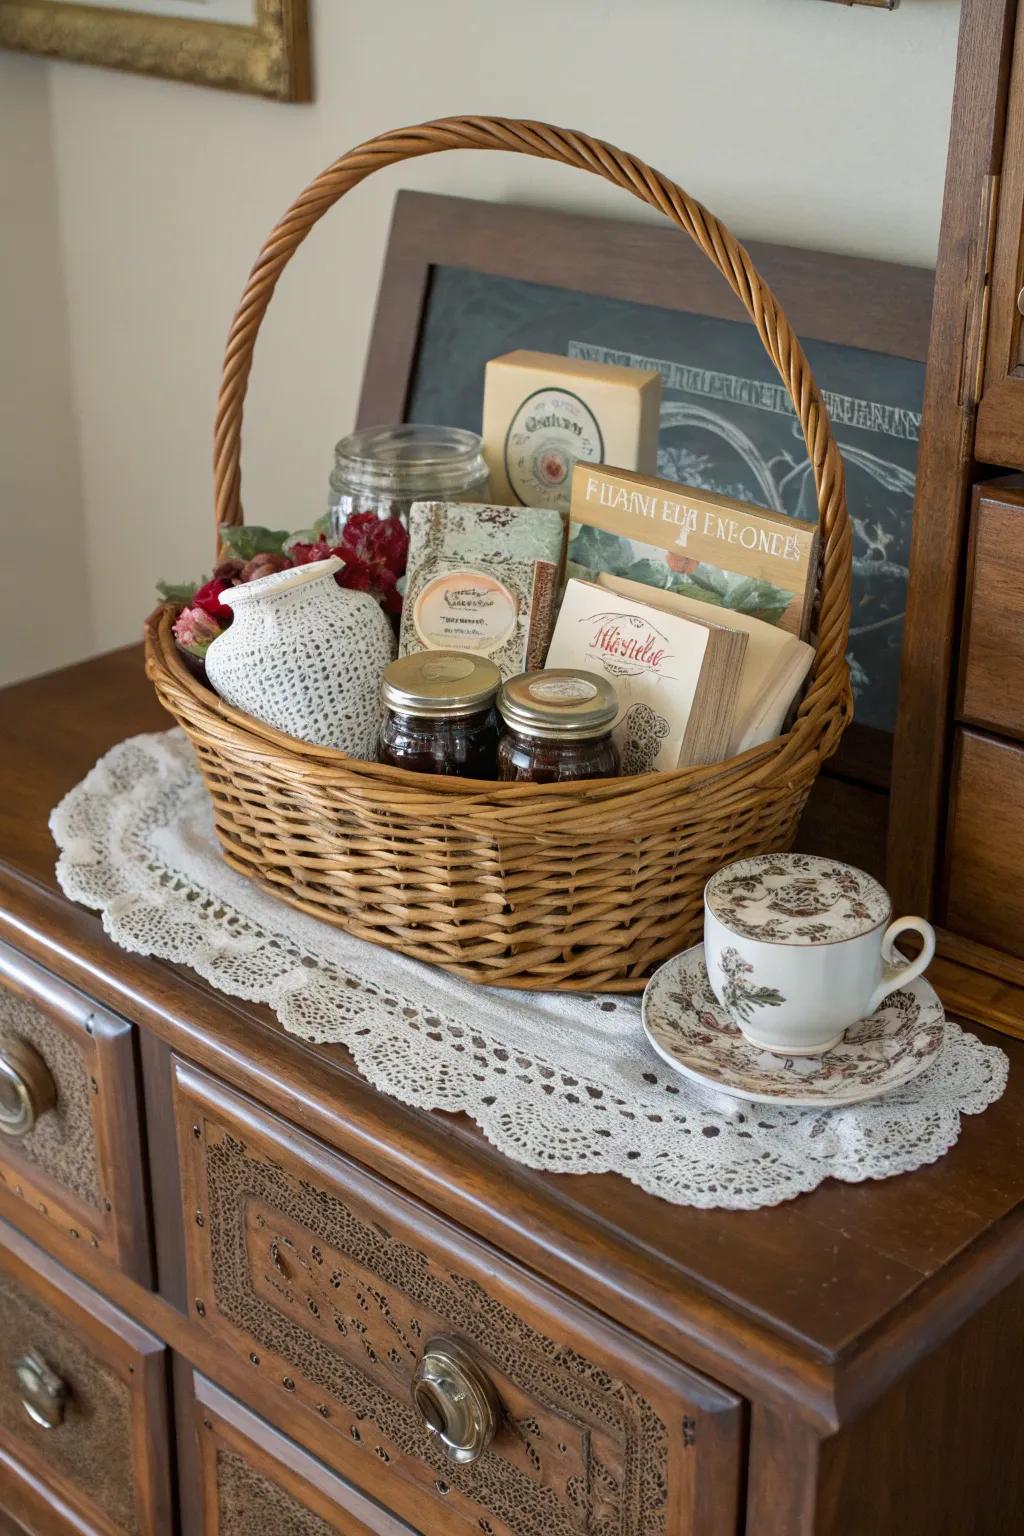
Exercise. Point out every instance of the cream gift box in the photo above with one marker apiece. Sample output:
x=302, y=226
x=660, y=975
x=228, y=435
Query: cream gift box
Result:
x=676, y=678
x=775, y=663
x=483, y=579
x=543, y=413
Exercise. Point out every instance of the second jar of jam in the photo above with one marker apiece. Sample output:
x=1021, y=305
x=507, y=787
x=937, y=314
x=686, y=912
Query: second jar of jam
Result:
x=557, y=726
x=439, y=714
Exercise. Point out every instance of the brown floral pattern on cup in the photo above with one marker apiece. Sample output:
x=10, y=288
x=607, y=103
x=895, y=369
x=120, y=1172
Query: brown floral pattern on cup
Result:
x=741, y=994
x=796, y=899
x=691, y=1029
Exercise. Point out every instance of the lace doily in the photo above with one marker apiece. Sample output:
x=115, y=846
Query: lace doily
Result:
x=558, y=1082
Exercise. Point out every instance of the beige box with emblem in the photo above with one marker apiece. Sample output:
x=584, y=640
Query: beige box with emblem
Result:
x=544, y=413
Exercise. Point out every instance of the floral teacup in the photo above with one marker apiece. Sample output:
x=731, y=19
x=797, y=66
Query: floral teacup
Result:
x=798, y=948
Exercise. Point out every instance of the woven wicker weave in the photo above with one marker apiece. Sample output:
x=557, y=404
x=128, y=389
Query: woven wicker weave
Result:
x=575, y=886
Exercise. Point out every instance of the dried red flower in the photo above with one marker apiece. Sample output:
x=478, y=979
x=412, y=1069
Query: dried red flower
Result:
x=305, y=554
x=381, y=543
x=208, y=599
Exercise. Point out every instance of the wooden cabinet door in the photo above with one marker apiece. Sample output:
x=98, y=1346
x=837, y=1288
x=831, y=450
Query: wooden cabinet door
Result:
x=985, y=853
x=990, y=690
x=322, y=1295
x=999, y=433
x=70, y=1143
x=255, y=1482
x=83, y=1400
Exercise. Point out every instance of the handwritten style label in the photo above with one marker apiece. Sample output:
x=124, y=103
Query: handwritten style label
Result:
x=465, y=611
x=624, y=645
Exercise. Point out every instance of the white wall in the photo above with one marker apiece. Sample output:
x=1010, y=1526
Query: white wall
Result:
x=45, y=617
x=795, y=120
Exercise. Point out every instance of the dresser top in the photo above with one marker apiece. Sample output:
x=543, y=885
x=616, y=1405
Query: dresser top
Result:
x=837, y=1276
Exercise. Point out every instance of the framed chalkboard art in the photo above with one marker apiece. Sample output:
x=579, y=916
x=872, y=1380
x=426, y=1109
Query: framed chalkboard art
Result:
x=464, y=281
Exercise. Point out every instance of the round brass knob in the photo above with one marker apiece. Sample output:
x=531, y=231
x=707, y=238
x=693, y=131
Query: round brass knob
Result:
x=455, y=1400
x=43, y=1394
x=27, y=1090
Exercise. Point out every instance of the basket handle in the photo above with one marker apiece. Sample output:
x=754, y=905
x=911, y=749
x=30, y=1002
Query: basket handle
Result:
x=576, y=149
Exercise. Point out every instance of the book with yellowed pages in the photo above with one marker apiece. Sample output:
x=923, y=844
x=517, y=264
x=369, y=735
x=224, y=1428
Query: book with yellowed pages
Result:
x=730, y=554
x=775, y=664
x=677, y=678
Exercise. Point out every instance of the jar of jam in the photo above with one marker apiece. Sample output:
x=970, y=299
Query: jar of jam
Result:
x=557, y=726
x=439, y=714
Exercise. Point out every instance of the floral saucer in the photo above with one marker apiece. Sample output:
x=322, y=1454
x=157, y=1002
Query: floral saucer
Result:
x=690, y=1029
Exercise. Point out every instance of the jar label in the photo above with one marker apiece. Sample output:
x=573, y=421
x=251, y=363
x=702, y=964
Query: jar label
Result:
x=562, y=690
x=465, y=611
x=447, y=669
x=550, y=431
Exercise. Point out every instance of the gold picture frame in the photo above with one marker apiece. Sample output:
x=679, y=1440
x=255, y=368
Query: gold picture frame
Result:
x=269, y=58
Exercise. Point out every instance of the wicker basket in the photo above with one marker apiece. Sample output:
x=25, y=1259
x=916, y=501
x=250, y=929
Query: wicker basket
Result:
x=575, y=886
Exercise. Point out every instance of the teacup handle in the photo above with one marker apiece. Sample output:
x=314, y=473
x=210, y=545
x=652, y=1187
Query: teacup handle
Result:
x=902, y=974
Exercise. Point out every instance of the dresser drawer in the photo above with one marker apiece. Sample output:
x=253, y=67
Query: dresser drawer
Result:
x=70, y=1147
x=985, y=859
x=330, y=1291
x=254, y=1480
x=82, y=1405
x=991, y=684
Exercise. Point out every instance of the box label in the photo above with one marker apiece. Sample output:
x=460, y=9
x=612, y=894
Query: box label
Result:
x=465, y=611
x=552, y=430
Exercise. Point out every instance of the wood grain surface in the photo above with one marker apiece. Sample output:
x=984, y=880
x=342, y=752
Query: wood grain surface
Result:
x=866, y=1250
x=108, y=1459
x=999, y=435
x=839, y=1316
x=985, y=896
x=252, y=1474
x=991, y=692
x=946, y=461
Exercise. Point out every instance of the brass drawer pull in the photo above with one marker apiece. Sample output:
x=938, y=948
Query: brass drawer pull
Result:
x=26, y=1088
x=455, y=1400
x=43, y=1394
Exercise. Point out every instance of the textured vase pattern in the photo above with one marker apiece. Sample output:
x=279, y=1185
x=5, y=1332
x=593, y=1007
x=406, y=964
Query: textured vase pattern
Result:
x=305, y=656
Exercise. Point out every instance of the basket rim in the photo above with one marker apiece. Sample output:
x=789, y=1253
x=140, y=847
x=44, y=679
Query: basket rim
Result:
x=757, y=763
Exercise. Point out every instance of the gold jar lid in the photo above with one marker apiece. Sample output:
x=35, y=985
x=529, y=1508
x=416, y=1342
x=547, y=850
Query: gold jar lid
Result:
x=440, y=683
x=558, y=703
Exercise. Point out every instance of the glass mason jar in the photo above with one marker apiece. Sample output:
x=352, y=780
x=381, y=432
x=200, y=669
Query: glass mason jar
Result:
x=386, y=469
x=557, y=726
x=439, y=714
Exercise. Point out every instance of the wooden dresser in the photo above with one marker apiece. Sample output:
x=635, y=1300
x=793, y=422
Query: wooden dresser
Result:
x=956, y=829
x=983, y=893
x=225, y=1259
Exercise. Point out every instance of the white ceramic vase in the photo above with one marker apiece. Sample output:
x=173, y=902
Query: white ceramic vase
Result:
x=306, y=656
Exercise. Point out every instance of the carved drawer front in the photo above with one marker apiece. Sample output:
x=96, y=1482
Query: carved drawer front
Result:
x=70, y=1148
x=83, y=1391
x=329, y=1297
x=255, y=1482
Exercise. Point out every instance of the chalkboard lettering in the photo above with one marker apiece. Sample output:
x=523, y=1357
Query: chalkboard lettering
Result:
x=761, y=394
